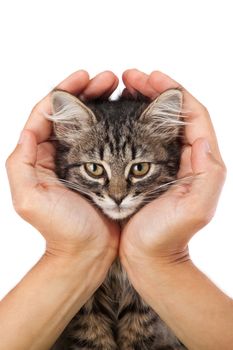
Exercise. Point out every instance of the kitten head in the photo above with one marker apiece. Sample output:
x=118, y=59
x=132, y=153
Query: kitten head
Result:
x=118, y=153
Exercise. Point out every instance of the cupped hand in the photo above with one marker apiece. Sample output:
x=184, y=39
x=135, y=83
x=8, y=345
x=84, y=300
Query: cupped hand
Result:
x=162, y=229
x=68, y=222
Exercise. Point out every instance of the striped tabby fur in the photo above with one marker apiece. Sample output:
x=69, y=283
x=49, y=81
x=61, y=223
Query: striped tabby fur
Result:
x=117, y=135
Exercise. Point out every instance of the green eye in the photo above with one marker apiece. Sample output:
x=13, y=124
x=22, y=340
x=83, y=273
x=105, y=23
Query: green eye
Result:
x=140, y=169
x=94, y=169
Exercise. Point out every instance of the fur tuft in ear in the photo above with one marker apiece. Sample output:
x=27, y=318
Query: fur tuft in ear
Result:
x=70, y=117
x=163, y=115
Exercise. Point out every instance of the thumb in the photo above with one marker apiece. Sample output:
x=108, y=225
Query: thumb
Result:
x=209, y=175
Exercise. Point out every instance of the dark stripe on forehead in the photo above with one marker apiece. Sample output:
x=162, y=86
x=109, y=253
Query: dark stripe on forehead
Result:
x=101, y=152
x=117, y=141
x=106, y=124
x=128, y=138
x=111, y=146
x=133, y=150
x=106, y=138
x=124, y=148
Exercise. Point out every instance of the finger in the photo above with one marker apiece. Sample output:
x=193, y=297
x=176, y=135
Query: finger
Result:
x=185, y=163
x=209, y=179
x=126, y=93
x=45, y=157
x=75, y=83
x=161, y=82
x=109, y=91
x=102, y=85
x=37, y=123
x=20, y=167
x=200, y=125
x=137, y=81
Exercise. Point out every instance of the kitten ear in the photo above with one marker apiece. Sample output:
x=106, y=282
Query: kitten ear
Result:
x=70, y=116
x=67, y=106
x=163, y=114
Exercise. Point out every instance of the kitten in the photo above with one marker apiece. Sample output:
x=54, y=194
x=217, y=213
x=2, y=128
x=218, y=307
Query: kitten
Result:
x=120, y=155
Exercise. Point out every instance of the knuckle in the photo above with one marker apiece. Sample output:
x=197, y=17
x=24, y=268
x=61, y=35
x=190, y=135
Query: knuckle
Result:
x=9, y=161
x=207, y=217
x=220, y=170
x=204, y=109
x=224, y=170
x=201, y=212
x=22, y=206
x=35, y=108
x=204, y=217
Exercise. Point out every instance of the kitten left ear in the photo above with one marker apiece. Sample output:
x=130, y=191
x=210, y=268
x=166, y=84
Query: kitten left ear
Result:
x=70, y=106
x=70, y=117
x=163, y=114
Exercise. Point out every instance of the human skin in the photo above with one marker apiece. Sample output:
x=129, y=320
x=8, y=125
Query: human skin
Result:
x=152, y=246
x=154, y=243
x=81, y=243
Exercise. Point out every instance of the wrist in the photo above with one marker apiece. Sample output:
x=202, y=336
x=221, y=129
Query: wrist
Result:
x=88, y=267
x=51, y=293
x=143, y=269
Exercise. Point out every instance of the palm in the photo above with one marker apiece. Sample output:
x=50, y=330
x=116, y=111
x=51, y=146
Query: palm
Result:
x=155, y=224
x=65, y=207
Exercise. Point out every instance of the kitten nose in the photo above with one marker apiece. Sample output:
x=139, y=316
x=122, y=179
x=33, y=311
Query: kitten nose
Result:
x=117, y=199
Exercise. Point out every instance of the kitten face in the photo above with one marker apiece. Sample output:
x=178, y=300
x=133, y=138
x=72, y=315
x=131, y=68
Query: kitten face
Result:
x=118, y=153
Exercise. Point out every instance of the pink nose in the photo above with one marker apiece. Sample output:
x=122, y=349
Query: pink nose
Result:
x=117, y=199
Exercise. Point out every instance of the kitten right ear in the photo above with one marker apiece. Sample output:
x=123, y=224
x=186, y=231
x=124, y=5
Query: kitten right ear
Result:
x=70, y=116
x=163, y=115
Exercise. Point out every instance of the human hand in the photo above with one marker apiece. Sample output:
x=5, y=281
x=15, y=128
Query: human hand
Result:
x=161, y=230
x=67, y=221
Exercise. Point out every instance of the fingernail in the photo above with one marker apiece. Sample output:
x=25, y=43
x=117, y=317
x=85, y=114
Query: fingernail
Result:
x=207, y=146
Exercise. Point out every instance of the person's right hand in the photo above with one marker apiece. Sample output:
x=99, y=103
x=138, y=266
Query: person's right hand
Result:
x=67, y=221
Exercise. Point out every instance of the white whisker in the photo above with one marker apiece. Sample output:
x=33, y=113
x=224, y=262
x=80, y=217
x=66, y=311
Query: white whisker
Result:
x=163, y=187
x=68, y=184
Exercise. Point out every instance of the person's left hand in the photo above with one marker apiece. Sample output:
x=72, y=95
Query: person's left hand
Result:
x=161, y=230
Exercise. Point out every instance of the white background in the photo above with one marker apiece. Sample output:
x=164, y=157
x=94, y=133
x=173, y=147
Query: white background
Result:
x=44, y=41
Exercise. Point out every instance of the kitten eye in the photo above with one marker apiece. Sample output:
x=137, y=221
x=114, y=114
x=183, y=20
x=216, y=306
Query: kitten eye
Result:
x=94, y=169
x=140, y=169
